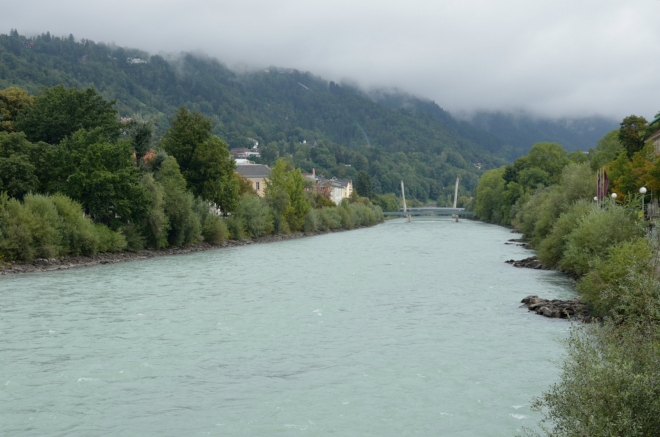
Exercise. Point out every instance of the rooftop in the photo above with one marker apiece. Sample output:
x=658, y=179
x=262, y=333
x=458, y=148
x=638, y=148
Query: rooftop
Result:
x=253, y=170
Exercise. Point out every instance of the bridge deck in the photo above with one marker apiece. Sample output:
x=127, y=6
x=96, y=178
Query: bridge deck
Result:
x=430, y=211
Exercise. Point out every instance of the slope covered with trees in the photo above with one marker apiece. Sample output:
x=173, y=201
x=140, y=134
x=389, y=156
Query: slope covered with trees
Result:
x=314, y=123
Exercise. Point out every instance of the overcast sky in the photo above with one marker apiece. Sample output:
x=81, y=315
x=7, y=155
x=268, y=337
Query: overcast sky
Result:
x=551, y=57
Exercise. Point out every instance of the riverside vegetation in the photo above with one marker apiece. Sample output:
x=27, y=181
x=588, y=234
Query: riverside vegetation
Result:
x=74, y=180
x=610, y=380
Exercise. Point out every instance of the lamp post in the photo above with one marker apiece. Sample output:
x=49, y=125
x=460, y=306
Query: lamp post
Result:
x=613, y=196
x=642, y=191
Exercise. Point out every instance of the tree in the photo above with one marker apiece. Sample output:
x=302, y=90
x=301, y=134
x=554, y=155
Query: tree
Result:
x=187, y=132
x=13, y=102
x=101, y=176
x=363, y=184
x=203, y=158
x=59, y=112
x=285, y=195
x=632, y=134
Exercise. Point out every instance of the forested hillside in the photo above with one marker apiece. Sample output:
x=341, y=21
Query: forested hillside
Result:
x=335, y=129
x=505, y=134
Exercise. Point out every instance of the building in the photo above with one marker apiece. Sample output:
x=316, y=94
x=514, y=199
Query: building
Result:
x=256, y=174
x=334, y=189
x=655, y=138
x=244, y=153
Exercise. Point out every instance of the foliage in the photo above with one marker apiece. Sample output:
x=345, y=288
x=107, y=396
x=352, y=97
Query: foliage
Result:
x=387, y=202
x=101, y=176
x=236, y=228
x=203, y=158
x=595, y=232
x=489, y=196
x=284, y=193
x=363, y=184
x=13, y=101
x=612, y=277
x=609, y=384
x=606, y=150
x=155, y=223
x=185, y=227
x=256, y=216
x=632, y=134
x=58, y=112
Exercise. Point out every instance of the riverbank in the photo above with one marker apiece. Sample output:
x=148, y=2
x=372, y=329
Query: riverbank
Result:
x=72, y=262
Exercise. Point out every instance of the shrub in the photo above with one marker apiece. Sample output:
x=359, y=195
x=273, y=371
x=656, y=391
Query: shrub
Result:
x=134, y=239
x=609, y=384
x=109, y=240
x=256, y=215
x=79, y=236
x=214, y=229
x=16, y=240
x=236, y=228
x=156, y=223
x=44, y=225
x=312, y=221
x=329, y=219
x=596, y=231
x=606, y=286
x=551, y=249
x=185, y=226
x=345, y=216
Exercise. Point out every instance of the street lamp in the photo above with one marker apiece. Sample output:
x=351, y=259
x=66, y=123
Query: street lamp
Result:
x=642, y=191
x=613, y=196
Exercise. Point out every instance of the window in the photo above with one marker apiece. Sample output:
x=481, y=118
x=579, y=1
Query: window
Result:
x=257, y=183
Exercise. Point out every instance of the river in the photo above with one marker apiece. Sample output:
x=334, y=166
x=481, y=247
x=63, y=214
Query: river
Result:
x=396, y=330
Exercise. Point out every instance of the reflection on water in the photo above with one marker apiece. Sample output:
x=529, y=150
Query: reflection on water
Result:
x=401, y=329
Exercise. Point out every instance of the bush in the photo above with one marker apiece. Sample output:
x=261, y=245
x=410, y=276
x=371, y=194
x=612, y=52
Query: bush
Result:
x=44, y=225
x=156, y=223
x=214, y=229
x=134, y=239
x=16, y=242
x=109, y=241
x=79, y=236
x=256, y=215
x=345, y=215
x=329, y=219
x=596, y=231
x=551, y=249
x=607, y=285
x=185, y=227
x=312, y=221
x=609, y=385
x=236, y=228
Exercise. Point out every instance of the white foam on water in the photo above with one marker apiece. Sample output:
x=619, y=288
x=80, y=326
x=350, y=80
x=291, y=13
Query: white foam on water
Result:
x=87, y=379
x=421, y=376
x=445, y=414
x=51, y=331
x=140, y=314
x=517, y=407
x=518, y=416
x=344, y=403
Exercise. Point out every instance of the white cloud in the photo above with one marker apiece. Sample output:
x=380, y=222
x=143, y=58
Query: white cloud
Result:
x=555, y=57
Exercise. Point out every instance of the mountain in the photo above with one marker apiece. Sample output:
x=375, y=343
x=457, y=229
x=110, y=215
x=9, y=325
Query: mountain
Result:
x=507, y=134
x=337, y=129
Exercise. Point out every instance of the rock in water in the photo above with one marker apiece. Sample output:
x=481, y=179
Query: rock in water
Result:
x=555, y=308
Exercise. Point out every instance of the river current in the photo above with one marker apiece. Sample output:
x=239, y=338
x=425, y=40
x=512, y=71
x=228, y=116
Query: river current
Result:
x=401, y=329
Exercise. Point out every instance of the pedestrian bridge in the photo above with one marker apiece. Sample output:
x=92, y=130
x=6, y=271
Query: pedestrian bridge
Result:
x=430, y=211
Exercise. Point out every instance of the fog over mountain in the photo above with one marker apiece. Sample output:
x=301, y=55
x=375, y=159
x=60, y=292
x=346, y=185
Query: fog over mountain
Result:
x=555, y=58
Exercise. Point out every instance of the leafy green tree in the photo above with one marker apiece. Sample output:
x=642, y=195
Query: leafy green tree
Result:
x=59, y=112
x=13, y=102
x=17, y=172
x=185, y=226
x=101, y=176
x=204, y=159
x=632, y=134
x=255, y=215
x=156, y=224
x=285, y=195
x=363, y=184
x=489, y=200
x=606, y=150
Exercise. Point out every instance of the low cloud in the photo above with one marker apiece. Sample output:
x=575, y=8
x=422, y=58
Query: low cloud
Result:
x=554, y=58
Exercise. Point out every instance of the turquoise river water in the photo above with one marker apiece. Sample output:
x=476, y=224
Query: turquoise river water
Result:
x=401, y=329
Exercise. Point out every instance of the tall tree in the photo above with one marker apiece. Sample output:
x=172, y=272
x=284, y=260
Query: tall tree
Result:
x=632, y=134
x=285, y=194
x=363, y=184
x=13, y=101
x=59, y=112
x=204, y=159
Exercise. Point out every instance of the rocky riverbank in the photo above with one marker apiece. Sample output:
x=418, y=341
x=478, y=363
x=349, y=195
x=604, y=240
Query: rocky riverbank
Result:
x=528, y=263
x=558, y=309
x=70, y=262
